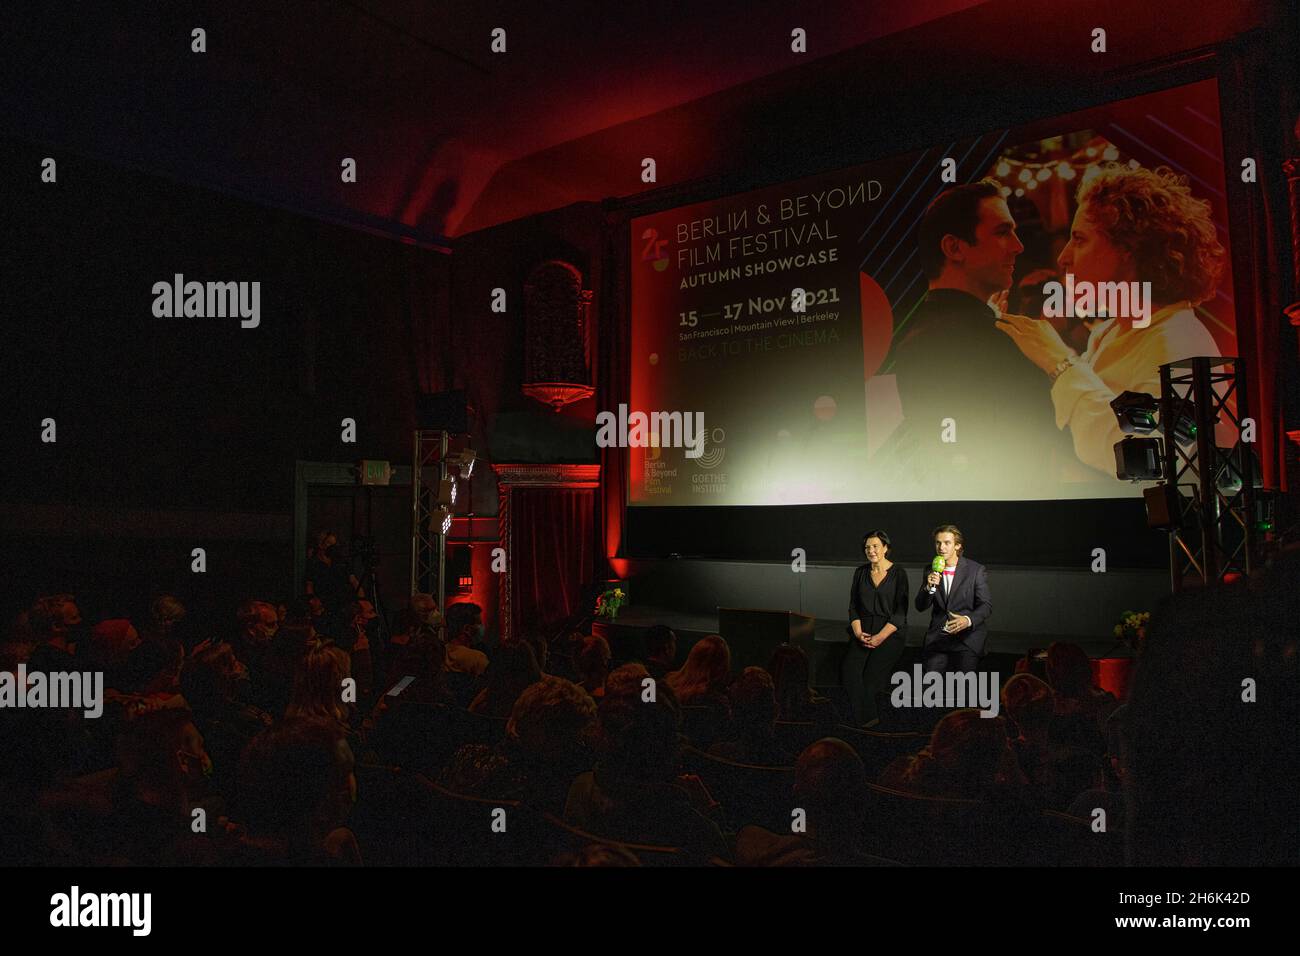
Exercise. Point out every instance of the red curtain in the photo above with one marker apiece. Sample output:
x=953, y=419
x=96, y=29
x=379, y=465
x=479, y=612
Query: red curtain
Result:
x=1257, y=106
x=553, y=539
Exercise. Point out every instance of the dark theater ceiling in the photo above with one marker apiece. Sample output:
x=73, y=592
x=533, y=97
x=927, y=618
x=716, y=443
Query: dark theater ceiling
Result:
x=448, y=137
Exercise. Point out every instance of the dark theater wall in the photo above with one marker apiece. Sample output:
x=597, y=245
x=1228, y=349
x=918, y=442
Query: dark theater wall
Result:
x=179, y=432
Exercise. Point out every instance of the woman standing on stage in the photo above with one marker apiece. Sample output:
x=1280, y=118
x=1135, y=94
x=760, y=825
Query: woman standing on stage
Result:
x=878, y=622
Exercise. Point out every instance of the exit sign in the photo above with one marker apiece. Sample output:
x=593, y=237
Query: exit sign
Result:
x=375, y=472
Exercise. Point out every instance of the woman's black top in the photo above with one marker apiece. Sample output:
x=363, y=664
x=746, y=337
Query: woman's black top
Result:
x=877, y=606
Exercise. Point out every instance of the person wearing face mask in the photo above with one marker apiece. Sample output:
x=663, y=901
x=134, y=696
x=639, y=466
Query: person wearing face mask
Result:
x=258, y=624
x=57, y=628
x=878, y=625
x=162, y=775
x=210, y=682
x=424, y=608
x=1132, y=225
x=464, y=664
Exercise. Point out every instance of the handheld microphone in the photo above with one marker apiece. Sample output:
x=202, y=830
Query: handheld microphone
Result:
x=936, y=567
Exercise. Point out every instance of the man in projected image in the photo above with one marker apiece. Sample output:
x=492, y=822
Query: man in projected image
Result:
x=952, y=363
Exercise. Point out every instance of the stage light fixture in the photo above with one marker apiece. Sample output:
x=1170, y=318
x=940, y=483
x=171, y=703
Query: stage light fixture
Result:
x=447, y=492
x=1136, y=412
x=1229, y=477
x=1185, y=427
x=1139, y=459
x=1163, y=507
x=442, y=519
x=464, y=461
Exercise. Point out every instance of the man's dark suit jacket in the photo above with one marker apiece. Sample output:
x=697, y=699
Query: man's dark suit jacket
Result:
x=969, y=595
x=952, y=361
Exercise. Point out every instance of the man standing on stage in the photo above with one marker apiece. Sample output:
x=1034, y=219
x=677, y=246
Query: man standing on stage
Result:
x=958, y=598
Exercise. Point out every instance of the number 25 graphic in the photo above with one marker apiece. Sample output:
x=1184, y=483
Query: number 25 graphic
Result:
x=654, y=245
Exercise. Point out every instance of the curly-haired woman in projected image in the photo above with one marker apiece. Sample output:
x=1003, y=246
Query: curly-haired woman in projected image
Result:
x=1132, y=225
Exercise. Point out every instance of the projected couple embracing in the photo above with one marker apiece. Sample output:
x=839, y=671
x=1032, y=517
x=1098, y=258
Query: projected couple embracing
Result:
x=997, y=406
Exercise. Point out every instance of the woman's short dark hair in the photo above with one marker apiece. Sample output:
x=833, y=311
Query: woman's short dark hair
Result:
x=884, y=539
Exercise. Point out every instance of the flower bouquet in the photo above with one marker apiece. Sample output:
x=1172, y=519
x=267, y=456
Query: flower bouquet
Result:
x=609, y=602
x=1132, y=629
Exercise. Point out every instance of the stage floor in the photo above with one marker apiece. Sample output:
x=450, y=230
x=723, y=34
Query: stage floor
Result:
x=833, y=632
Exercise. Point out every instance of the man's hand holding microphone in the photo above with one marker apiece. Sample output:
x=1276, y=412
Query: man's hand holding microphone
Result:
x=936, y=574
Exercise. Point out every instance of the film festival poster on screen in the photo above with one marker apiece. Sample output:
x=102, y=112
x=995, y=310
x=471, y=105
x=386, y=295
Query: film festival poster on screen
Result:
x=785, y=315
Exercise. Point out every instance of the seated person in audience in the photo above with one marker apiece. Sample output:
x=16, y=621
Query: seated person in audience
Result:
x=753, y=721
x=465, y=665
x=393, y=729
x=547, y=744
x=140, y=812
x=660, y=651
x=627, y=678
x=592, y=664
x=563, y=653
x=830, y=786
x=701, y=687
x=1069, y=673
x=512, y=668
x=1027, y=703
x=424, y=609
x=147, y=680
x=208, y=683
x=108, y=649
x=54, y=623
x=364, y=652
x=703, y=680
x=424, y=658
x=404, y=626
x=1075, y=782
x=297, y=787
x=258, y=623
x=38, y=745
x=154, y=673
x=634, y=794
x=1213, y=761
x=318, y=693
x=165, y=615
x=968, y=758
x=1076, y=731
x=796, y=701
x=273, y=680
